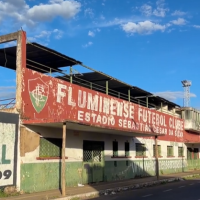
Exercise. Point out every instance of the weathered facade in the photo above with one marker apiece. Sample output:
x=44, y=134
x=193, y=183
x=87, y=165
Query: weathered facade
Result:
x=9, y=156
x=87, y=128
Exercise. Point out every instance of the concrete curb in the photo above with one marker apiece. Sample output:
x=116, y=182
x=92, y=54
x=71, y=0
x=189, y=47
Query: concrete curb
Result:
x=115, y=190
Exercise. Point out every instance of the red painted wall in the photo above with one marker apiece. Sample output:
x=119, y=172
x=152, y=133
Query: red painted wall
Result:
x=47, y=99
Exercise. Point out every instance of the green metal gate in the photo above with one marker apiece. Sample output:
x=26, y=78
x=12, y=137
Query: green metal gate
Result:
x=93, y=160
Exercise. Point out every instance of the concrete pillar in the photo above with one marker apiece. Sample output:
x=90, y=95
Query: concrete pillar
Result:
x=156, y=155
x=63, y=175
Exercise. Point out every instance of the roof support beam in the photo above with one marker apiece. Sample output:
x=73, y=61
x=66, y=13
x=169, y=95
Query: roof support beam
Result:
x=106, y=87
x=129, y=95
x=147, y=102
x=71, y=74
x=9, y=37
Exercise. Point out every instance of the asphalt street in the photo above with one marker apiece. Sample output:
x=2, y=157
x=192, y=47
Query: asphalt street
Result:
x=183, y=190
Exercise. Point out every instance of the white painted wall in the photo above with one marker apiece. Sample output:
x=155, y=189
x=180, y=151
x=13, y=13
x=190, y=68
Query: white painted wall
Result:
x=18, y=158
x=7, y=139
x=150, y=142
x=74, y=145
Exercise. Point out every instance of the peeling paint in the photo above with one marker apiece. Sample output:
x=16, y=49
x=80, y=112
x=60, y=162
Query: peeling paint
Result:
x=66, y=101
x=25, y=138
x=8, y=144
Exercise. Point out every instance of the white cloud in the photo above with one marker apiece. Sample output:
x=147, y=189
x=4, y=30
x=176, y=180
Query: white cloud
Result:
x=31, y=39
x=46, y=12
x=7, y=92
x=178, y=13
x=58, y=33
x=7, y=88
x=179, y=21
x=90, y=33
x=196, y=26
x=10, y=44
x=114, y=22
x=88, y=44
x=146, y=27
x=172, y=96
x=93, y=33
x=44, y=34
x=102, y=17
x=89, y=12
x=103, y=3
x=159, y=11
x=22, y=14
x=16, y=10
x=146, y=10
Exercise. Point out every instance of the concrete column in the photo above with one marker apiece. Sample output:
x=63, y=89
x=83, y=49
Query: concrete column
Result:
x=63, y=176
x=156, y=155
x=21, y=65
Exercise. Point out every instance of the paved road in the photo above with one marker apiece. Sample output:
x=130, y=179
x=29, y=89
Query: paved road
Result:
x=183, y=190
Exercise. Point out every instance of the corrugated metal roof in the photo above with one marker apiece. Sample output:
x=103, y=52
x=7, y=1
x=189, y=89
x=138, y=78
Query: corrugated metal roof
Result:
x=38, y=56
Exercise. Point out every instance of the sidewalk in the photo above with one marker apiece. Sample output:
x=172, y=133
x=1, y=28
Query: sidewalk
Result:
x=96, y=189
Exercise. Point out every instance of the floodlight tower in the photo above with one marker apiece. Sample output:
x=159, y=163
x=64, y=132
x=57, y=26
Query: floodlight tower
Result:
x=186, y=85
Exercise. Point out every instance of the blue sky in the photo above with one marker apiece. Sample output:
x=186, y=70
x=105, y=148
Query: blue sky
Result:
x=150, y=44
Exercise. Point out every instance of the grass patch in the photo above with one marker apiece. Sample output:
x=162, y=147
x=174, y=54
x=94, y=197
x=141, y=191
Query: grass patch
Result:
x=3, y=194
x=192, y=177
x=75, y=198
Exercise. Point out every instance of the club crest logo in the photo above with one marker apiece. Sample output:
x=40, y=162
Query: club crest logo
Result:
x=38, y=91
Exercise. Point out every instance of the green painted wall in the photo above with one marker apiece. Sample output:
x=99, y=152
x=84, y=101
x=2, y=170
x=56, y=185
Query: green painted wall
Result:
x=46, y=176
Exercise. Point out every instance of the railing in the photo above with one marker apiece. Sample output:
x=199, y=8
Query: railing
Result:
x=7, y=103
x=192, y=124
x=169, y=112
x=76, y=79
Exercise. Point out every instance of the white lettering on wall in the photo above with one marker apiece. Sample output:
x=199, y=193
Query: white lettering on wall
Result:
x=92, y=102
x=112, y=107
x=100, y=110
x=131, y=112
x=106, y=105
x=119, y=109
x=80, y=115
x=70, y=101
x=81, y=99
x=126, y=110
x=139, y=114
x=61, y=94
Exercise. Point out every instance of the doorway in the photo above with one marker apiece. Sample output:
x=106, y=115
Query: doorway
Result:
x=93, y=160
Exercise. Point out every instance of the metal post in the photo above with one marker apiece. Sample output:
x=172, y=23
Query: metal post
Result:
x=156, y=155
x=161, y=106
x=147, y=102
x=63, y=176
x=70, y=74
x=118, y=94
x=90, y=85
x=50, y=71
x=106, y=87
x=129, y=95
